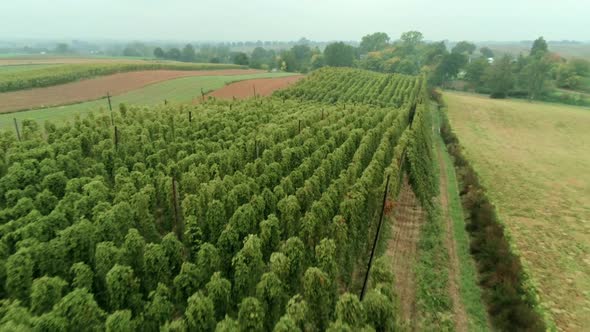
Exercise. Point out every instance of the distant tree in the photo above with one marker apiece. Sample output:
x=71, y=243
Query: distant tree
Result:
x=120, y=321
x=539, y=47
x=131, y=51
x=62, y=48
x=173, y=54
x=566, y=77
x=374, y=42
x=240, y=58
x=535, y=75
x=410, y=41
x=499, y=77
x=45, y=292
x=339, y=55
x=200, y=313
x=251, y=315
x=474, y=71
x=486, y=52
x=80, y=311
x=449, y=67
x=188, y=53
x=159, y=53
x=317, y=61
x=464, y=47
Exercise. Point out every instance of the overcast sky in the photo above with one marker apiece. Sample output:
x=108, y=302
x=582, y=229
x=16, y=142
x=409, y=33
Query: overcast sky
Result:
x=232, y=20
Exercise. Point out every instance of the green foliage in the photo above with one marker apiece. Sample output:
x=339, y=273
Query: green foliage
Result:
x=248, y=266
x=123, y=288
x=219, y=291
x=339, y=55
x=251, y=315
x=499, y=77
x=374, y=42
x=120, y=321
x=45, y=292
x=80, y=311
x=200, y=313
x=318, y=292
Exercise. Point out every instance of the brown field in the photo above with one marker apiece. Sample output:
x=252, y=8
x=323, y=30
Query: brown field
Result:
x=98, y=87
x=64, y=60
x=263, y=87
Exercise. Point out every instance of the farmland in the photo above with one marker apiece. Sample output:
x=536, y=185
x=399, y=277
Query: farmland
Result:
x=65, y=73
x=533, y=159
x=175, y=91
x=95, y=88
x=256, y=213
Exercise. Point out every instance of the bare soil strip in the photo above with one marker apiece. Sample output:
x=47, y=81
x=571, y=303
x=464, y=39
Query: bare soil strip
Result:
x=459, y=313
x=402, y=248
x=96, y=88
x=262, y=87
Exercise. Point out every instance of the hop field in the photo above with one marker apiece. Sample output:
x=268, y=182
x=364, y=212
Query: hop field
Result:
x=252, y=214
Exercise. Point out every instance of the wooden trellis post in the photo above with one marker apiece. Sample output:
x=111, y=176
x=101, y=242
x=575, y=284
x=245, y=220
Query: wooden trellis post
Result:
x=363, y=291
x=16, y=127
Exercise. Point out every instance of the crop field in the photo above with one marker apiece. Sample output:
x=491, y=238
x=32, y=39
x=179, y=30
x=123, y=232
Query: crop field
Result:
x=175, y=91
x=95, y=88
x=261, y=87
x=255, y=213
x=13, y=69
x=533, y=158
x=65, y=73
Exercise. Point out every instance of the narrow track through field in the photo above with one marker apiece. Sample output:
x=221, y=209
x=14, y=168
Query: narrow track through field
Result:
x=460, y=315
x=402, y=248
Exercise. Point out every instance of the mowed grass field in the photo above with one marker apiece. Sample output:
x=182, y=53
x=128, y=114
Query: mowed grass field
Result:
x=534, y=159
x=175, y=91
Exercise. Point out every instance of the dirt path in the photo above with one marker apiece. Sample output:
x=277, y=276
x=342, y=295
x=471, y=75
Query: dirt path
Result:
x=460, y=315
x=95, y=88
x=402, y=249
x=262, y=86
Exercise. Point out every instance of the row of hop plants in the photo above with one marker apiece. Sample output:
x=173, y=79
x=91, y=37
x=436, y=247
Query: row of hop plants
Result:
x=90, y=236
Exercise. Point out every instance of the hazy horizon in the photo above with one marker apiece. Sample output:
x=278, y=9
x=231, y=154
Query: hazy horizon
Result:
x=328, y=20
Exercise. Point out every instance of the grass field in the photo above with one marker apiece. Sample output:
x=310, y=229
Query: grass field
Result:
x=175, y=91
x=12, y=69
x=534, y=160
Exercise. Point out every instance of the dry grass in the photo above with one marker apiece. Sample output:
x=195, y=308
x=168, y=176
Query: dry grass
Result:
x=534, y=158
